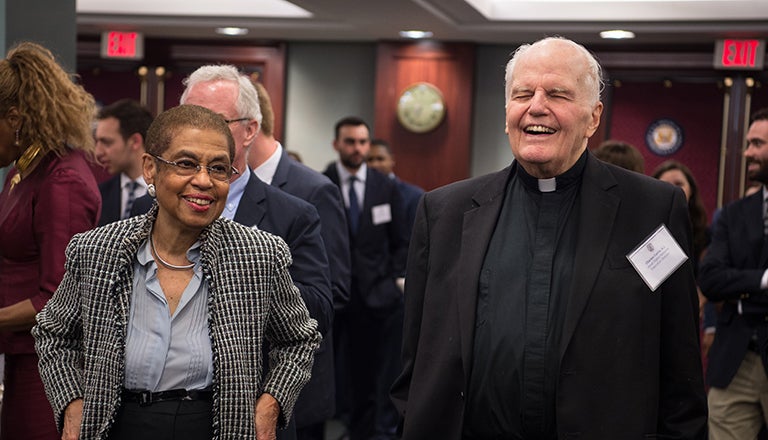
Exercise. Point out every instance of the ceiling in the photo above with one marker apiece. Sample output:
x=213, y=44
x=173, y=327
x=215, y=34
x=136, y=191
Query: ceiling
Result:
x=655, y=22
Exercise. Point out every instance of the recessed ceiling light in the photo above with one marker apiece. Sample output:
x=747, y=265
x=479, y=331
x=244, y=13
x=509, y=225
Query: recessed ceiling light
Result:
x=231, y=31
x=416, y=34
x=617, y=34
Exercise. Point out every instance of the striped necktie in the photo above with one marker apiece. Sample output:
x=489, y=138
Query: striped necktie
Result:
x=132, y=185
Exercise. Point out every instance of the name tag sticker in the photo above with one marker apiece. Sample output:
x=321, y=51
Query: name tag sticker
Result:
x=657, y=257
x=381, y=214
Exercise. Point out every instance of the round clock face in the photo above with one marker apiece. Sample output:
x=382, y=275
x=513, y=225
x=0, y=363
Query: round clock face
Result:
x=421, y=108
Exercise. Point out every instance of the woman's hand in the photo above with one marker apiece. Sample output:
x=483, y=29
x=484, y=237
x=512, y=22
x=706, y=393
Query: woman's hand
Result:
x=73, y=415
x=267, y=411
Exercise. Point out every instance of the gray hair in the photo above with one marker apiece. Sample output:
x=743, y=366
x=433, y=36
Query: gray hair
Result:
x=247, y=103
x=594, y=77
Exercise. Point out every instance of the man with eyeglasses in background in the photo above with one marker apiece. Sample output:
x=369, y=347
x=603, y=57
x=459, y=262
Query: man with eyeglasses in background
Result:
x=251, y=202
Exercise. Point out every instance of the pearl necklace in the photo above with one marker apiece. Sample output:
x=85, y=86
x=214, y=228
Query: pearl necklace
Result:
x=165, y=263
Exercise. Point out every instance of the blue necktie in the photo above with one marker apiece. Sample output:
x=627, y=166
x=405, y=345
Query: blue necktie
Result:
x=131, y=197
x=354, y=206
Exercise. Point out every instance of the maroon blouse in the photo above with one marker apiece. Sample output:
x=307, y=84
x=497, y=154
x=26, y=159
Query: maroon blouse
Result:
x=37, y=219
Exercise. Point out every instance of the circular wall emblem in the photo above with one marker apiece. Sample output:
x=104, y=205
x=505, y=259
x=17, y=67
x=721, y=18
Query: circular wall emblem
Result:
x=664, y=137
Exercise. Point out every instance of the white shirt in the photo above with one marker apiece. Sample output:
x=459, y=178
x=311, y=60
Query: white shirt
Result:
x=344, y=176
x=140, y=190
x=266, y=171
x=236, y=190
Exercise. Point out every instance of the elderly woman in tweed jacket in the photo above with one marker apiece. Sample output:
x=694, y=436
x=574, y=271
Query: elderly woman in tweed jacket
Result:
x=123, y=278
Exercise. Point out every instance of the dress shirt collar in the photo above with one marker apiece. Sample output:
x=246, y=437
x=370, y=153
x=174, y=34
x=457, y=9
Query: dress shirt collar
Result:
x=144, y=254
x=124, y=180
x=266, y=171
x=236, y=190
x=557, y=183
x=344, y=174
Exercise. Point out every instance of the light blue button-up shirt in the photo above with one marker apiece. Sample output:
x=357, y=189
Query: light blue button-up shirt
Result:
x=164, y=352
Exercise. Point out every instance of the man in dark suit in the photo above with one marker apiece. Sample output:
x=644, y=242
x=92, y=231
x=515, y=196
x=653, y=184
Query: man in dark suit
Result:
x=120, y=131
x=524, y=317
x=734, y=271
x=252, y=202
x=369, y=330
x=272, y=165
x=381, y=159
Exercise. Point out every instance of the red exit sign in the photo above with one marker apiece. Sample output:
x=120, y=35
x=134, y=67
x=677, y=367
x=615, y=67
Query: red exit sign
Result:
x=126, y=45
x=739, y=54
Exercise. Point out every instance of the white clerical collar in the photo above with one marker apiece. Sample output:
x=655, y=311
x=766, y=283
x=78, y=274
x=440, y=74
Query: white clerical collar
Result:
x=547, y=185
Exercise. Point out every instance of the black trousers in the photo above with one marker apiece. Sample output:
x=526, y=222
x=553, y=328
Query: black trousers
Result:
x=169, y=420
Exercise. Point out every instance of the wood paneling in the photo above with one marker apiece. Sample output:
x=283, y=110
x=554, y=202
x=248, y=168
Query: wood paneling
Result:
x=110, y=80
x=441, y=156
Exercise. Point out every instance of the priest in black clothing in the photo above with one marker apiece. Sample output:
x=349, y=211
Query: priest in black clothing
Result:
x=524, y=316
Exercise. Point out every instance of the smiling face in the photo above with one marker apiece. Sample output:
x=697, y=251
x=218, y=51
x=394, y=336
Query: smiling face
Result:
x=551, y=111
x=189, y=203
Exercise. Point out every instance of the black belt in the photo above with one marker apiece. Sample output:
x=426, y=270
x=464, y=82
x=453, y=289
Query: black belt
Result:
x=147, y=397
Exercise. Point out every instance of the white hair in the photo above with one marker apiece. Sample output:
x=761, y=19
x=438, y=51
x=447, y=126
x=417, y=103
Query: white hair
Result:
x=594, y=79
x=247, y=104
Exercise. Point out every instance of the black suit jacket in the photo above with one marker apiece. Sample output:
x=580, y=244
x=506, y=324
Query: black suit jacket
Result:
x=378, y=250
x=317, y=401
x=411, y=195
x=111, y=194
x=730, y=271
x=629, y=361
x=309, y=185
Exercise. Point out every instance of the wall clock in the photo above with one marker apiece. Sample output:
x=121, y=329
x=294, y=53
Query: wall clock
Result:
x=420, y=108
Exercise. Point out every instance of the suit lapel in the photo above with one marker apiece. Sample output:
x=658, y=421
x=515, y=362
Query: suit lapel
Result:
x=281, y=172
x=752, y=209
x=251, y=209
x=477, y=229
x=597, y=211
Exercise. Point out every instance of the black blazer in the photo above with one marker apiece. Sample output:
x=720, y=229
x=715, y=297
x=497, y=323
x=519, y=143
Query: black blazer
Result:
x=317, y=400
x=731, y=270
x=111, y=194
x=378, y=251
x=411, y=194
x=630, y=363
x=309, y=185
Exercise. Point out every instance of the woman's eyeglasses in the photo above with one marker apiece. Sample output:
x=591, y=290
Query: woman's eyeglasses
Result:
x=188, y=168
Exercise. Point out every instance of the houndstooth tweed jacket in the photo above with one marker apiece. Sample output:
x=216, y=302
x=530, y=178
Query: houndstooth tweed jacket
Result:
x=80, y=334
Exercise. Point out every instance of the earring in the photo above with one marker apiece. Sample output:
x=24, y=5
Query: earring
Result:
x=151, y=190
x=18, y=141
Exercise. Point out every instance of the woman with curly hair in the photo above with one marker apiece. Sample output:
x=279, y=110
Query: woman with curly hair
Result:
x=48, y=196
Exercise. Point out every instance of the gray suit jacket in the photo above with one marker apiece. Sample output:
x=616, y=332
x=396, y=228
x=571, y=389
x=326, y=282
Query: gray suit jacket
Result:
x=80, y=335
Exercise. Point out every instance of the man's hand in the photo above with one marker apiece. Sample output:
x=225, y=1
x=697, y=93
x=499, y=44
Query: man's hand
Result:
x=267, y=411
x=73, y=415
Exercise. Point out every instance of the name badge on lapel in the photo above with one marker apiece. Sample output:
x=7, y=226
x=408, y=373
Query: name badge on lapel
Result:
x=381, y=214
x=657, y=257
